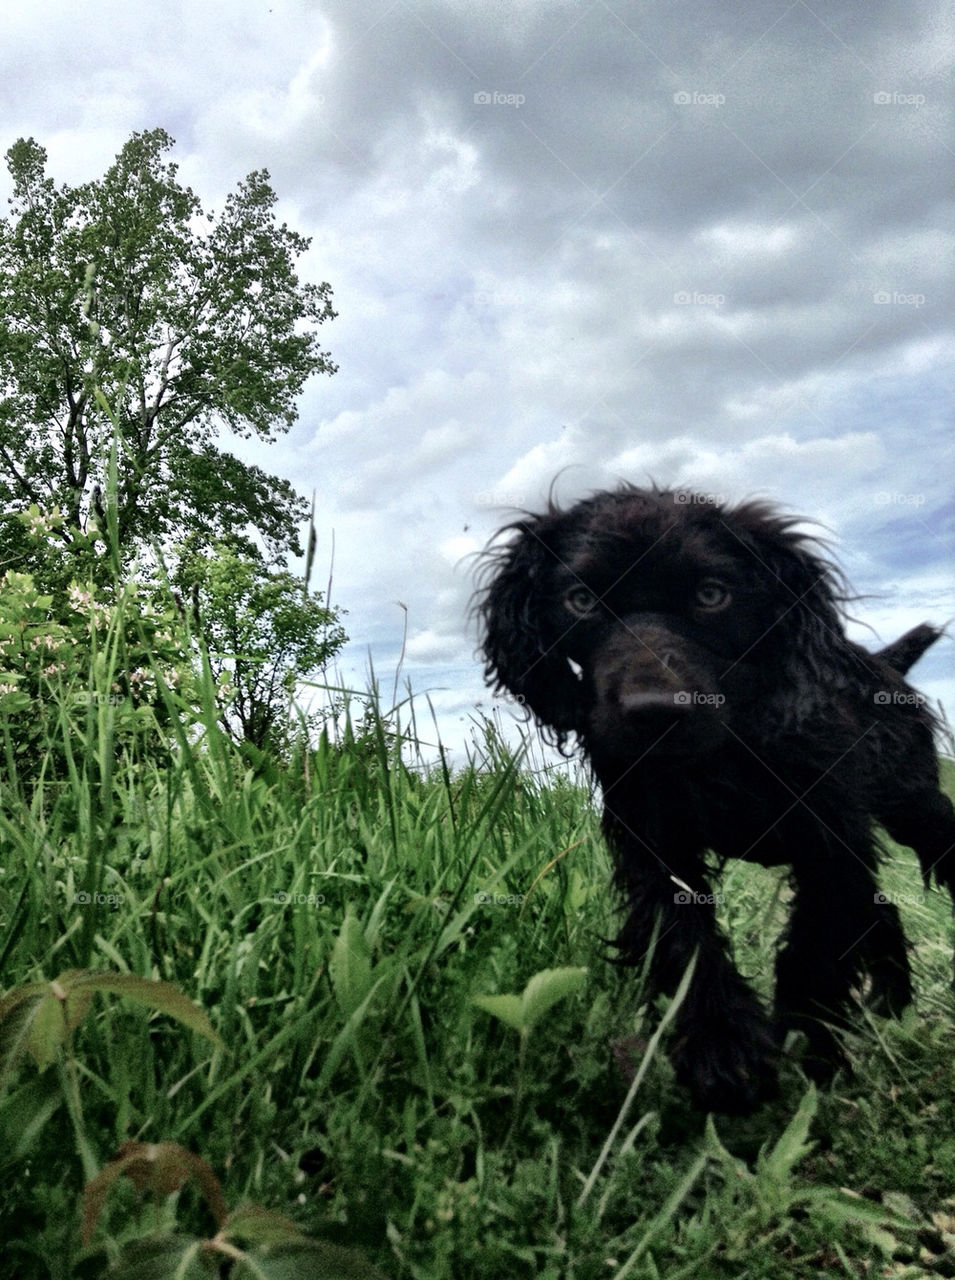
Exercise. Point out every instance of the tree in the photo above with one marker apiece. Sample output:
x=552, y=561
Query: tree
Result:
x=264, y=630
x=131, y=319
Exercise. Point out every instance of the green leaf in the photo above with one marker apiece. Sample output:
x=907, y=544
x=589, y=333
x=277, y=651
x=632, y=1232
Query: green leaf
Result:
x=308, y=1260
x=163, y=997
x=546, y=988
x=161, y=1258
x=39, y=1017
x=23, y=1115
x=793, y=1143
x=250, y=1225
x=350, y=965
x=510, y=1009
x=839, y=1209
x=523, y=1012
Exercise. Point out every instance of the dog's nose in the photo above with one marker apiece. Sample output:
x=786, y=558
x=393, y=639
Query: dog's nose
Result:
x=646, y=700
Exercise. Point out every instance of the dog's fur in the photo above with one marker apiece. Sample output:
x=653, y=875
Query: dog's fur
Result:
x=697, y=653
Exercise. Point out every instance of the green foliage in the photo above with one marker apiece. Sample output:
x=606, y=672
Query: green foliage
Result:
x=85, y=661
x=523, y=1012
x=264, y=630
x=124, y=289
x=250, y=1242
x=350, y=966
x=335, y=914
x=130, y=657
x=39, y=1018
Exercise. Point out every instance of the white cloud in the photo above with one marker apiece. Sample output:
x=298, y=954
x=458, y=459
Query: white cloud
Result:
x=599, y=282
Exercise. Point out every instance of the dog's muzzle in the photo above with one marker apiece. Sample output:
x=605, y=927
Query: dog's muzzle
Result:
x=650, y=685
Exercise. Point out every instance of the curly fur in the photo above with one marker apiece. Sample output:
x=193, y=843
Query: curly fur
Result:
x=697, y=655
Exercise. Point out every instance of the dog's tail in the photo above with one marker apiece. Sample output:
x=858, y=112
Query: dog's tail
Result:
x=906, y=651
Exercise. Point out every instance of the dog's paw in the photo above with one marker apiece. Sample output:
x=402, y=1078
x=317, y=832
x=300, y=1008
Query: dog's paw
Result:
x=726, y=1072
x=819, y=1049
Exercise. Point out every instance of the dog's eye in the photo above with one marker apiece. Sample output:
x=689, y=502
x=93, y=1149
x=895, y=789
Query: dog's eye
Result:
x=581, y=600
x=712, y=595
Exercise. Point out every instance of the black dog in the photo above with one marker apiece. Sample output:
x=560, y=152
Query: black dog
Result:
x=698, y=654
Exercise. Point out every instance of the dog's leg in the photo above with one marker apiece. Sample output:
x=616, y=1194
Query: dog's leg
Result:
x=723, y=1050
x=885, y=958
x=926, y=823
x=841, y=927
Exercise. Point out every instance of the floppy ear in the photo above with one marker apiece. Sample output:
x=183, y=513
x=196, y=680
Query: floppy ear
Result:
x=807, y=640
x=522, y=625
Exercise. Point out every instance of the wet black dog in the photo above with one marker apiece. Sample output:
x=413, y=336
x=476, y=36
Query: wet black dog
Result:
x=698, y=654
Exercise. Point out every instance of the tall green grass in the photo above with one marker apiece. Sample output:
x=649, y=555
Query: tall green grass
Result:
x=341, y=917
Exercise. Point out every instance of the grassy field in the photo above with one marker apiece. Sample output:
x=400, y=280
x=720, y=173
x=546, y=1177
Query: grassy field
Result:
x=341, y=918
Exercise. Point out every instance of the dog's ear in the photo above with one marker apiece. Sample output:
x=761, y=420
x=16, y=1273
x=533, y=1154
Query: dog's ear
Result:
x=522, y=625
x=807, y=638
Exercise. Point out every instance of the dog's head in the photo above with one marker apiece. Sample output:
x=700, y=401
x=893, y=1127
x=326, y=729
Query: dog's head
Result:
x=658, y=617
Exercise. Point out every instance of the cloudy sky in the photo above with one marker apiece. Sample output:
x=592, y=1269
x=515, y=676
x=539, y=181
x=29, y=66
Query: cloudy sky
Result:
x=704, y=244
